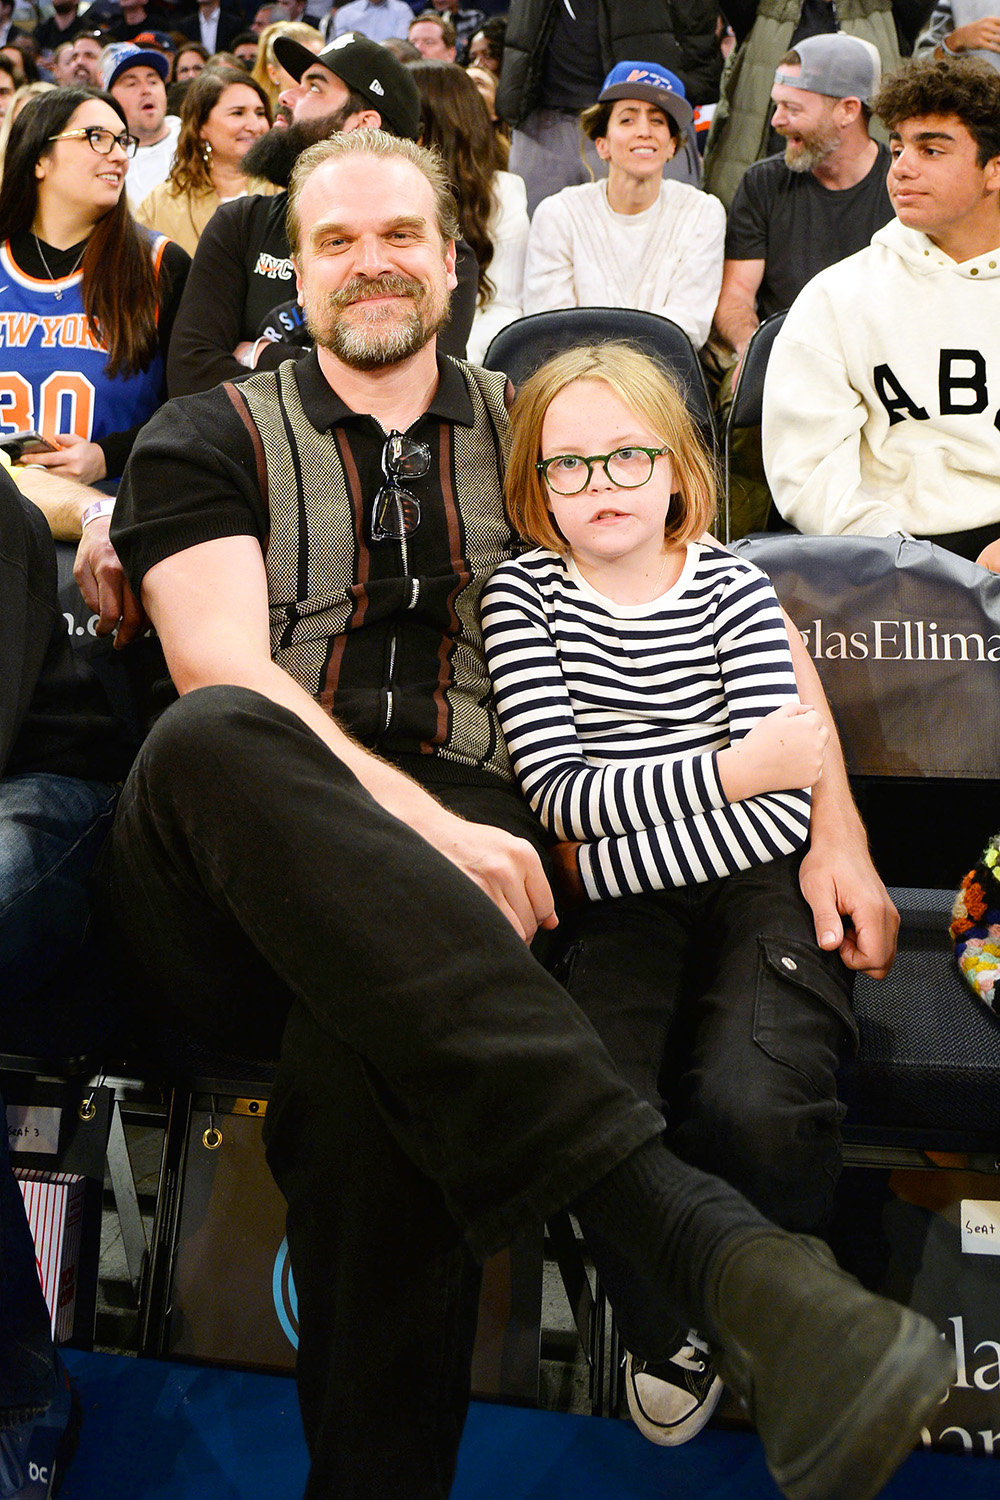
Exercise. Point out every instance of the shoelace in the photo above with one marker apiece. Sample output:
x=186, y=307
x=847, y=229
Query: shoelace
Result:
x=687, y=1357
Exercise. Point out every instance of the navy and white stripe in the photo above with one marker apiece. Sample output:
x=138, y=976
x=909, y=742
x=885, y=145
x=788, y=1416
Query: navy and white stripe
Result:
x=614, y=716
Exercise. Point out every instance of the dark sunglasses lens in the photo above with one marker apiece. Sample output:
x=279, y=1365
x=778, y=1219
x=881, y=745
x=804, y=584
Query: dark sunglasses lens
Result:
x=406, y=458
x=396, y=514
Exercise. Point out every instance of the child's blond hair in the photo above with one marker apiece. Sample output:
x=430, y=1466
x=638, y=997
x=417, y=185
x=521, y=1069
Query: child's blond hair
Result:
x=646, y=389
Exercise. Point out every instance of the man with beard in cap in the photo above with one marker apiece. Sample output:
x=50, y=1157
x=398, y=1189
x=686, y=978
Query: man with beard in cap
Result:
x=820, y=201
x=235, y=314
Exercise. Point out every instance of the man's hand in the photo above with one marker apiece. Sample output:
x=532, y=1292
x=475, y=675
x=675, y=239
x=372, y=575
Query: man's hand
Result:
x=837, y=876
x=839, y=881
x=245, y=346
x=74, y=458
x=984, y=34
x=504, y=867
x=101, y=580
x=990, y=557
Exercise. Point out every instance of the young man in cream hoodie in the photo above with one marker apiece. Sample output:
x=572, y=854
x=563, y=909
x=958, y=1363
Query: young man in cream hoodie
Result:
x=883, y=390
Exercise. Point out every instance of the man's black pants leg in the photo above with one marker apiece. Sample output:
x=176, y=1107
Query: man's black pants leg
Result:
x=387, y=1290
x=236, y=809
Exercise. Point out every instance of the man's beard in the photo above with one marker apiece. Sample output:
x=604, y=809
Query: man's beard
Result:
x=274, y=155
x=812, y=150
x=378, y=340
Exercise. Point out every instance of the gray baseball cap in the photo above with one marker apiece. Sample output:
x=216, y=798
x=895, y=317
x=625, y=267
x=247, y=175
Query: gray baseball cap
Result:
x=841, y=66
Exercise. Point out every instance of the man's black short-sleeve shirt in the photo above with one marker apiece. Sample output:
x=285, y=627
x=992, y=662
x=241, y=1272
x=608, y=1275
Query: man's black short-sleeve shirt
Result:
x=798, y=227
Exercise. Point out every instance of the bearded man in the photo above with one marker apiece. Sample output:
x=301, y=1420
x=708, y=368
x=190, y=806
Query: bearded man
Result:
x=322, y=840
x=236, y=314
x=796, y=214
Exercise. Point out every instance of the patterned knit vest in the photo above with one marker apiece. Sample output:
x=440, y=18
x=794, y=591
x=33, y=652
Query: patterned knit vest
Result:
x=397, y=659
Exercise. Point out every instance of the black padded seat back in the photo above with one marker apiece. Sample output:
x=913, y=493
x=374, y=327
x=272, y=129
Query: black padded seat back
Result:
x=747, y=406
x=523, y=346
x=748, y=398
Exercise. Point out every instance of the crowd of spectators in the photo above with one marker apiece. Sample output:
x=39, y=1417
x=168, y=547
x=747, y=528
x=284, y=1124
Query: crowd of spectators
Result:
x=152, y=247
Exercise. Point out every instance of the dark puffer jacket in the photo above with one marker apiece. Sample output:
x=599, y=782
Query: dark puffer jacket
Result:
x=678, y=34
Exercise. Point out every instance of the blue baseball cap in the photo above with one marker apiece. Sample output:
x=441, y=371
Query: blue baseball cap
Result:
x=651, y=83
x=120, y=56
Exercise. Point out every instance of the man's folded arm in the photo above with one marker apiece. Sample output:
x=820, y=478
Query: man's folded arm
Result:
x=209, y=606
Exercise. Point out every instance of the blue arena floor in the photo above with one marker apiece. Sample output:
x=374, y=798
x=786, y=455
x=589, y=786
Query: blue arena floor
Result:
x=158, y=1431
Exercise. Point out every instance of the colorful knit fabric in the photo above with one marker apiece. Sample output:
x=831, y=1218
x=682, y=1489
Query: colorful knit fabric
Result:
x=975, y=928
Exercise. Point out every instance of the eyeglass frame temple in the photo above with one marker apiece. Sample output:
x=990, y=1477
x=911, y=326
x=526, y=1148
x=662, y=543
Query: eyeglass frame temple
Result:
x=425, y=454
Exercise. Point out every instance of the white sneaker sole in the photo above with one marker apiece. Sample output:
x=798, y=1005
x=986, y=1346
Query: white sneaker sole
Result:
x=673, y=1434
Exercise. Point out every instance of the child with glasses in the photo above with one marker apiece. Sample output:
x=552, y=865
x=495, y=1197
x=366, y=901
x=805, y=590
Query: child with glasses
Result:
x=644, y=684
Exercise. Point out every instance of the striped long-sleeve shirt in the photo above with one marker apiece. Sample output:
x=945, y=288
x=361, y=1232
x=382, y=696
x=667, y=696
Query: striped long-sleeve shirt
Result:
x=614, y=716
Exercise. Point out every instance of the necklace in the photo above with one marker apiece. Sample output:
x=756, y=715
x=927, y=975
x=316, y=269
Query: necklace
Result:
x=659, y=579
x=41, y=254
x=600, y=588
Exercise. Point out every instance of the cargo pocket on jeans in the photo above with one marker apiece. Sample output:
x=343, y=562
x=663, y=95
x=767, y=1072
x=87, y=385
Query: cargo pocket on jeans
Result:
x=796, y=996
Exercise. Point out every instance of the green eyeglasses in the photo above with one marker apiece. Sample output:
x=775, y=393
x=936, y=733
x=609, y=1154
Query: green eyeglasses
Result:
x=570, y=473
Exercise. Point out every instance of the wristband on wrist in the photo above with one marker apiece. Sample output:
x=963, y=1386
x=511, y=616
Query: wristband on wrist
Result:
x=946, y=49
x=249, y=356
x=96, y=508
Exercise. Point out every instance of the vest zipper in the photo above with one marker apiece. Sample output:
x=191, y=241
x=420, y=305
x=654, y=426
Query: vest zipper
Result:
x=414, y=590
x=388, y=695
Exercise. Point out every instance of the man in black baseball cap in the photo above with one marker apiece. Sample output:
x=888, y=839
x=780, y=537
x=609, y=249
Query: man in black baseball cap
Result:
x=239, y=309
x=374, y=78
x=352, y=83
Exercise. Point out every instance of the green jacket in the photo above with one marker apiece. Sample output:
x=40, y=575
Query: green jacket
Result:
x=740, y=129
x=678, y=34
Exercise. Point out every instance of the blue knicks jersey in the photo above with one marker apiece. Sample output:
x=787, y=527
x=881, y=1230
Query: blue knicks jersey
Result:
x=52, y=369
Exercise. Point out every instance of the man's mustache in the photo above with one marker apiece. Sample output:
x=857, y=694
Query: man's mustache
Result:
x=360, y=288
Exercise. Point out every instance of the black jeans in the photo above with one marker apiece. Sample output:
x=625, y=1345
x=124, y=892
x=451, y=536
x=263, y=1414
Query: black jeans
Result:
x=437, y=1089
x=719, y=1007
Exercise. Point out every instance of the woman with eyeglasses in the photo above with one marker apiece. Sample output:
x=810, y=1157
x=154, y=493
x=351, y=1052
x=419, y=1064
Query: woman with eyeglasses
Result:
x=87, y=298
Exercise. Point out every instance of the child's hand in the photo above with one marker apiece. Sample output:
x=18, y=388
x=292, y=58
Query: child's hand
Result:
x=783, y=751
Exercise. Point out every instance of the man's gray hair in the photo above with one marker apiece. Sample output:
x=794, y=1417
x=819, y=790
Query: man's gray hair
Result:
x=380, y=145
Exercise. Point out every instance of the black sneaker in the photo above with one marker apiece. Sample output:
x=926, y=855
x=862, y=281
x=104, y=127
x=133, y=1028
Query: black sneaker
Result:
x=672, y=1400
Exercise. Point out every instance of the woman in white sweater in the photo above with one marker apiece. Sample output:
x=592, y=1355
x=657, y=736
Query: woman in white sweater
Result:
x=633, y=240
